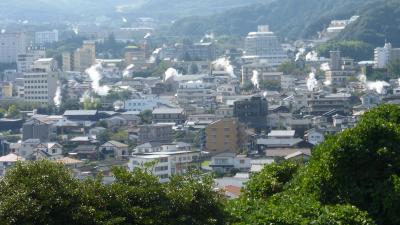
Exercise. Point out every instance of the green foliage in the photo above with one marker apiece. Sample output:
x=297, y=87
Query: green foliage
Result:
x=110, y=48
x=120, y=135
x=45, y=193
x=292, y=68
x=352, y=178
x=91, y=103
x=2, y=112
x=39, y=193
x=376, y=24
x=357, y=50
x=270, y=180
x=13, y=112
x=247, y=86
x=146, y=116
x=115, y=95
x=358, y=166
x=271, y=85
x=104, y=136
x=288, y=18
x=394, y=68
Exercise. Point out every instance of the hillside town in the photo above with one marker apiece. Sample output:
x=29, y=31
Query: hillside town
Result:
x=222, y=110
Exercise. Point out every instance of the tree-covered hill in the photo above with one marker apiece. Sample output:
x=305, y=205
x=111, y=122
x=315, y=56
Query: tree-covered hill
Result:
x=46, y=10
x=288, y=18
x=379, y=21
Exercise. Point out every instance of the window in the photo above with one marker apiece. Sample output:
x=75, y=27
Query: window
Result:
x=164, y=160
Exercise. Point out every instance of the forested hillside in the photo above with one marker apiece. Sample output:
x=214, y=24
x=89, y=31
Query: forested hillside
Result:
x=288, y=18
x=378, y=22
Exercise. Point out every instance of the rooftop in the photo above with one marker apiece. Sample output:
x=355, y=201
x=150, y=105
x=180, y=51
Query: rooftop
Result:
x=168, y=111
x=11, y=158
x=281, y=133
x=80, y=113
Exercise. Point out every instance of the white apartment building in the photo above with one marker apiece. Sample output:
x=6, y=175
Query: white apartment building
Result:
x=46, y=37
x=264, y=44
x=167, y=164
x=12, y=44
x=40, y=84
x=385, y=54
x=198, y=93
x=26, y=60
x=141, y=104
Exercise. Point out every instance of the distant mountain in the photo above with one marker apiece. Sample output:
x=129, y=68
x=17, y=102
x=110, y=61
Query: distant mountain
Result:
x=380, y=21
x=78, y=9
x=288, y=18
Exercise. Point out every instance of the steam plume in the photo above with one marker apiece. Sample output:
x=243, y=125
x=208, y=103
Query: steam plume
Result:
x=255, y=79
x=311, y=81
x=225, y=65
x=171, y=73
x=58, y=98
x=95, y=76
x=127, y=70
x=378, y=86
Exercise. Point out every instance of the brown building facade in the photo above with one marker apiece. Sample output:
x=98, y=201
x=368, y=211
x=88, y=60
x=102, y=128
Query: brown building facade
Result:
x=225, y=135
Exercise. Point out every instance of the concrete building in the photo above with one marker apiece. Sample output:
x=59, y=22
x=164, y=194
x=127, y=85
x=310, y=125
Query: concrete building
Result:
x=6, y=90
x=159, y=133
x=319, y=104
x=226, y=162
x=262, y=66
x=169, y=115
x=167, y=164
x=81, y=59
x=84, y=57
x=8, y=161
x=46, y=37
x=225, y=135
x=253, y=112
x=383, y=55
x=196, y=93
x=26, y=60
x=141, y=104
x=40, y=84
x=36, y=129
x=117, y=149
x=12, y=44
x=135, y=55
x=340, y=71
x=265, y=45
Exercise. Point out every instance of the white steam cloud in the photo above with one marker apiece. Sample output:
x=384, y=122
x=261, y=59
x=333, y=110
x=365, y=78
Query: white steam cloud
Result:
x=325, y=67
x=127, y=70
x=255, y=79
x=171, y=73
x=58, y=98
x=207, y=36
x=311, y=82
x=95, y=76
x=225, y=65
x=300, y=53
x=312, y=56
x=148, y=35
x=378, y=86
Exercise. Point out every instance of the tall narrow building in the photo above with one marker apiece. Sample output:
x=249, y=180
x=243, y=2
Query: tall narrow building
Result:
x=12, y=44
x=40, y=83
x=263, y=44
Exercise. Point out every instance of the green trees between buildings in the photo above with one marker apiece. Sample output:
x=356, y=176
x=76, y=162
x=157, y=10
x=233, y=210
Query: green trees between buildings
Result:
x=351, y=178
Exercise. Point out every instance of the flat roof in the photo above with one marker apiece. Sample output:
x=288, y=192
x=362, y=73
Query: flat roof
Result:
x=80, y=112
x=167, y=111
